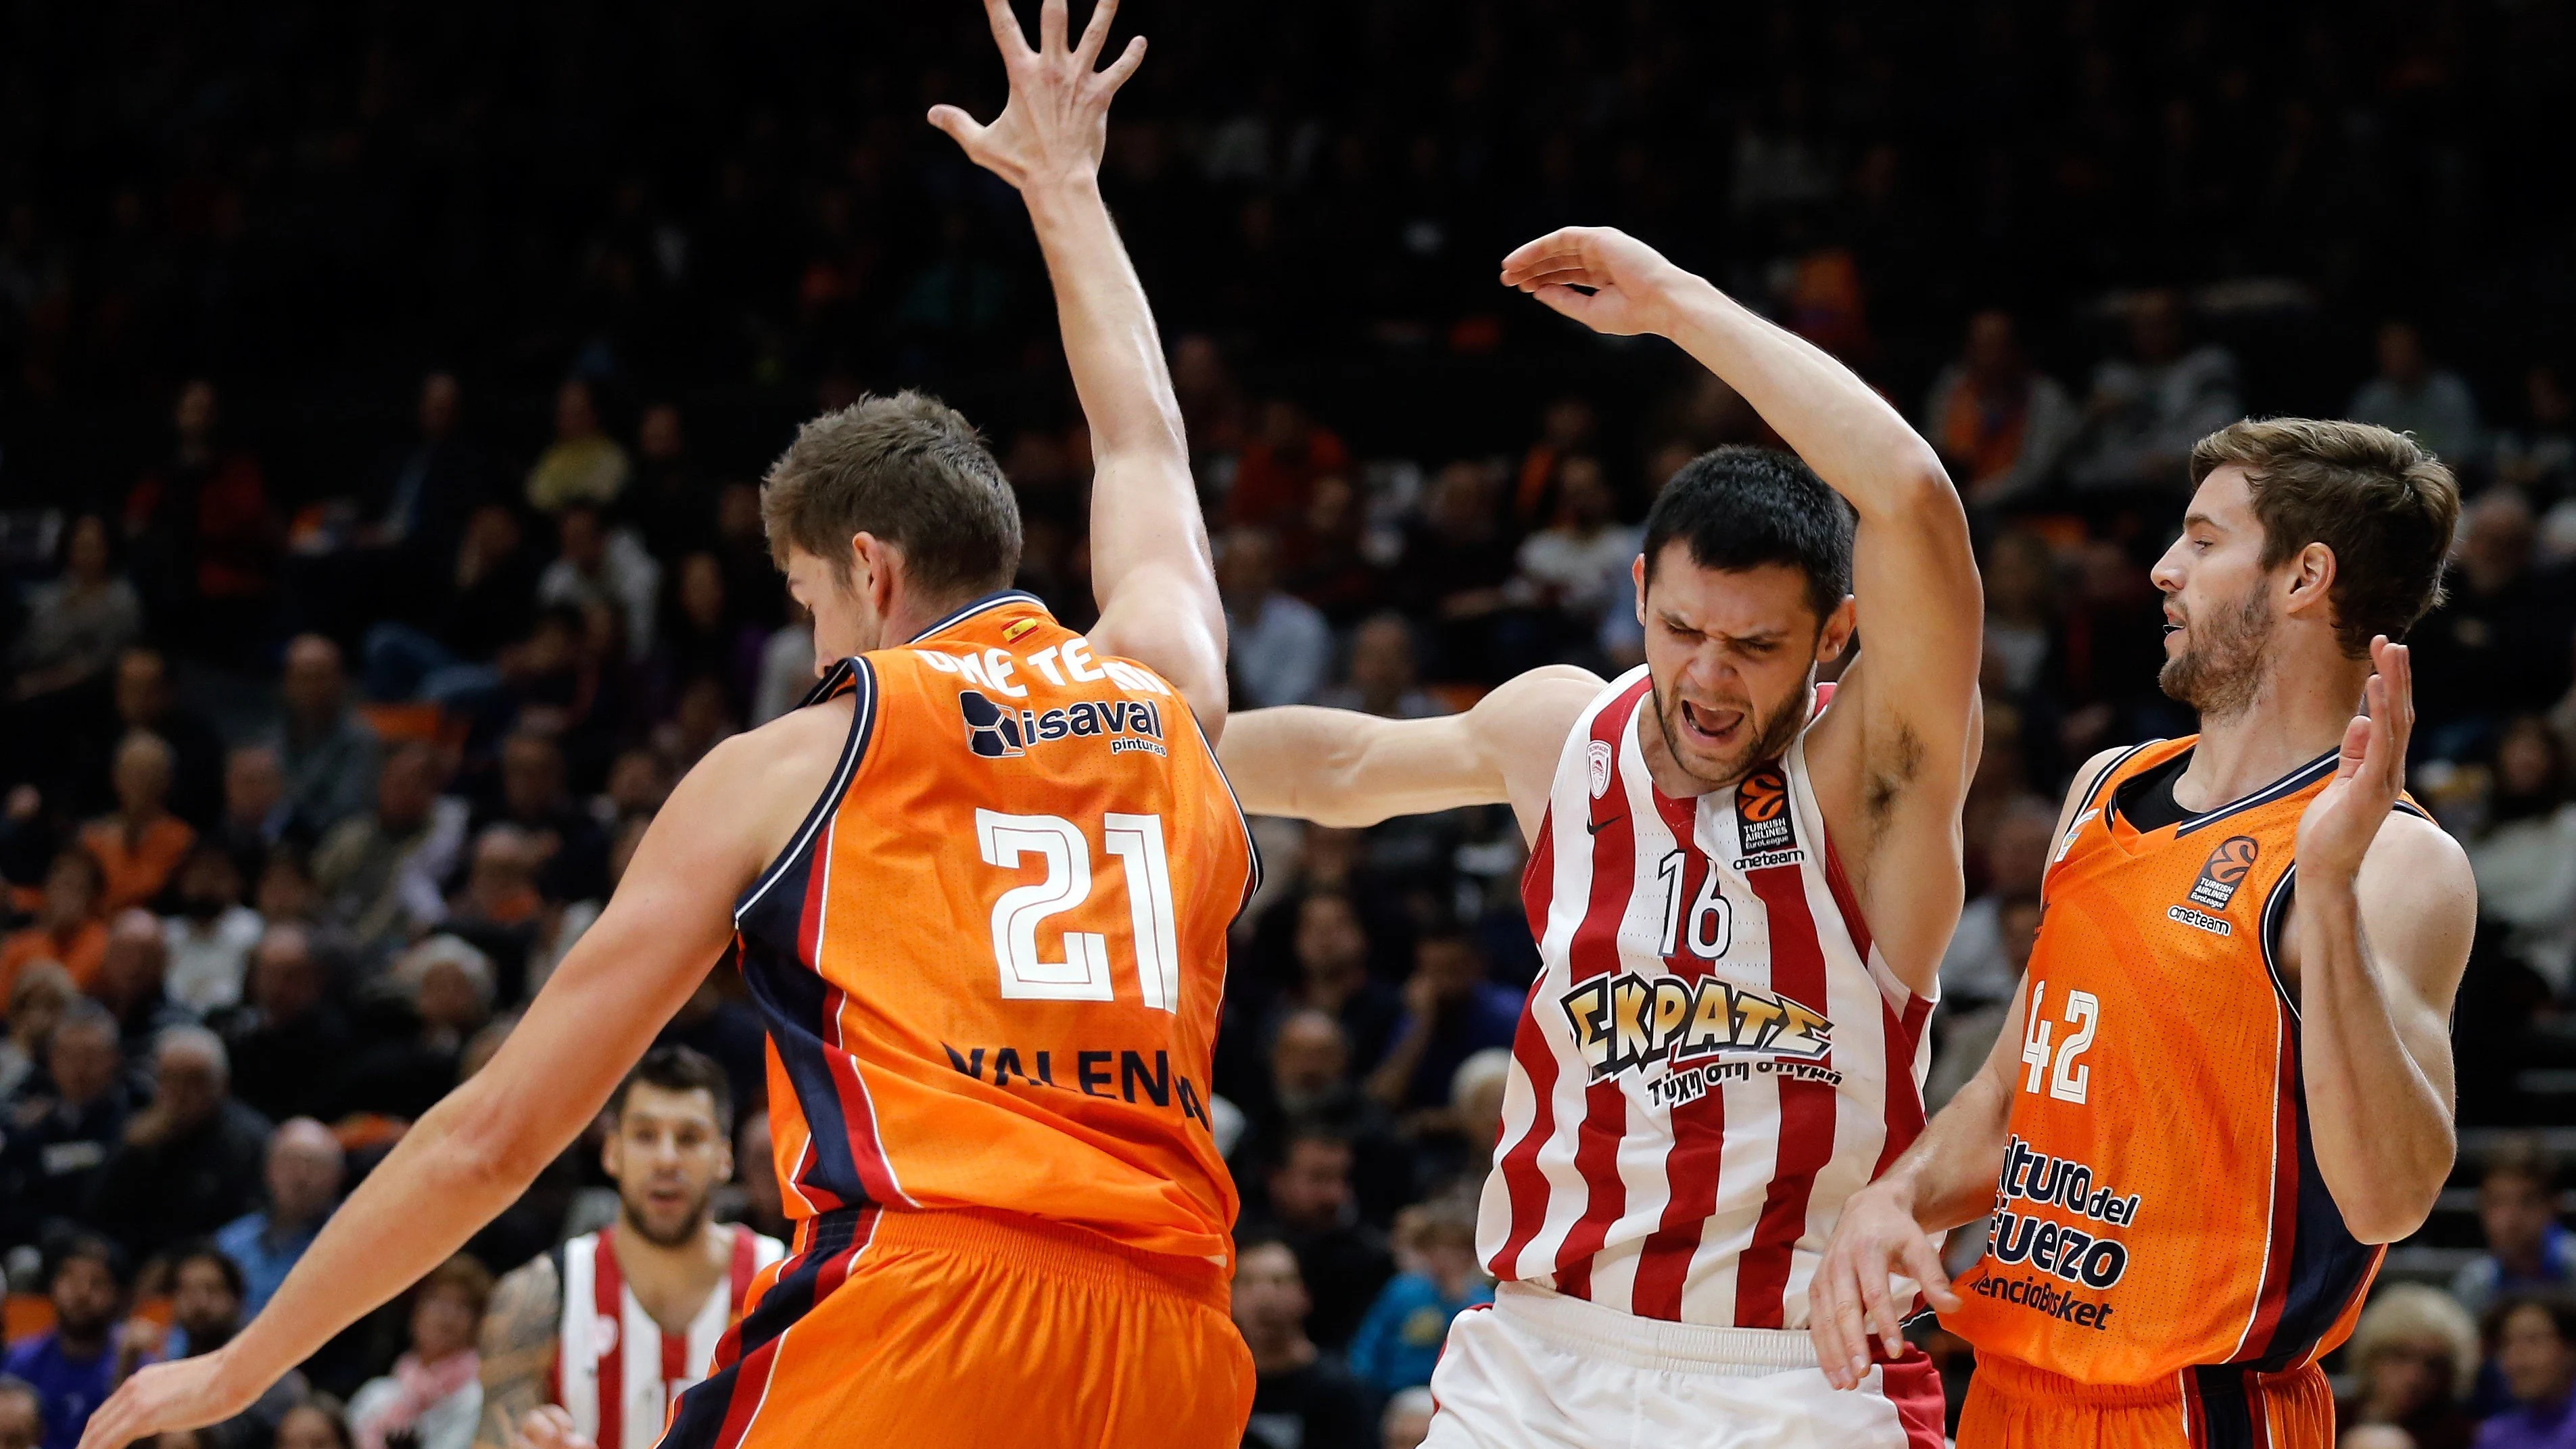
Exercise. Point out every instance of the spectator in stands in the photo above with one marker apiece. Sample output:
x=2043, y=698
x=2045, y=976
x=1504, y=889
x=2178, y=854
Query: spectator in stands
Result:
x=449, y=987
x=2498, y=644
x=291, y=1045
x=2411, y=395
x=22, y=1414
x=1382, y=679
x=77, y=1363
x=206, y=1310
x=1453, y=568
x=2146, y=410
x=1451, y=1012
x=1576, y=570
x=2525, y=857
x=313, y=1426
x=415, y=512
x=2526, y=1249
x=571, y=848
x=132, y=981
x=37, y=999
x=2024, y=630
x=672, y=506
x=2539, y=458
x=203, y=534
x=1280, y=647
x=1399, y=1342
x=728, y=1033
x=1301, y=1398
x=2535, y=1339
x=1310, y=1082
x=1566, y=430
x=498, y=911
x=1407, y=1420
x=139, y=847
x=492, y=589
x=190, y=1161
x=1999, y=423
x=1331, y=952
x=61, y=1129
x=1275, y=477
x=597, y=565
x=434, y=1396
x=1310, y=1206
x=702, y=638
x=330, y=755
x=764, y=1209
x=69, y=927
x=144, y=702
x=303, y=1170
x=2416, y=1354
x=583, y=464
x=257, y=816
x=1976, y=969
x=379, y=872
x=209, y=937
x=78, y=624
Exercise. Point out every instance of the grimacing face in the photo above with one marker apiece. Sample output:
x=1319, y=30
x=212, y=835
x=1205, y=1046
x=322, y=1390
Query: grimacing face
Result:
x=1733, y=655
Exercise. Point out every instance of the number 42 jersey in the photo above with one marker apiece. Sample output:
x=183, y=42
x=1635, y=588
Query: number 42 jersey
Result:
x=992, y=958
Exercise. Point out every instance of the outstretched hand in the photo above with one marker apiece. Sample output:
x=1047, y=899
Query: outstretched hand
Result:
x=188, y=1394
x=1629, y=281
x=1056, y=123
x=2339, y=825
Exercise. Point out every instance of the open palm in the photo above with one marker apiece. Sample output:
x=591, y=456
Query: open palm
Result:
x=1626, y=278
x=1056, y=123
x=2338, y=826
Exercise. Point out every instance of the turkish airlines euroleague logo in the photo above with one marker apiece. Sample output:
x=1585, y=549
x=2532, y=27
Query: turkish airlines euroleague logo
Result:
x=1762, y=812
x=2224, y=871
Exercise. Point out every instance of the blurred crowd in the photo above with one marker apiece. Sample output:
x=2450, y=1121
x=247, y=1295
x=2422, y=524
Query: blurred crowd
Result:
x=379, y=436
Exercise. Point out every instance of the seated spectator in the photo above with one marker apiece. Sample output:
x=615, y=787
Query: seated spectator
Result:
x=204, y=536
x=2411, y=395
x=1331, y=952
x=727, y=1033
x=2146, y=410
x=1274, y=478
x=571, y=850
x=257, y=817
x=1301, y=1399
x=764, y=1207
x=2539, y=458
x=315, y=1425
x=1453, y=1150
x=60, y=1134
x=1279, y=646
x=498, y=911
x=22, y=1414
x=1399, y=1342
x=1382, y=679
x=1406, y=1422
x=1451, y=1012
x=205, y=1312
x=1453, y=568
x=1999, y=423
x=1566, y=429
x=209, y=939
x=2497, y=646
x=702, y=637
x=144, y=701
x=2024, y=635
x=2375, y=1436
x=139, y=847
x=2416, y=1352
x=1310, y=1206
x=190, y=1161
x=303, y=1170
x=1577, y=569
x=2525, y=857
x=132, y=981
x=379, y=872
x=77, y=1363
x=69, y=929
x=1310, y=1082
x=583, y=464
x=597, y=565
x=37, y=999
x=1978, y=969
x=77, y=625
x=2535, y=1339
x=415, y=508
x=447, y=987
x=434, y=1397
x=291, y=1041
x=330, y=755
x=2526, y=1249
x=701, y=719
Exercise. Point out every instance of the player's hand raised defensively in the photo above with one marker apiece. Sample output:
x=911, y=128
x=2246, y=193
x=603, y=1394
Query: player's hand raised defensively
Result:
x=1849, y=1298
x=2340, y=824
x=1629, y=281
x=1056, y=123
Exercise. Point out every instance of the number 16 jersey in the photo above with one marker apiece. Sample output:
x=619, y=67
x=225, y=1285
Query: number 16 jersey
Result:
x=991, y=959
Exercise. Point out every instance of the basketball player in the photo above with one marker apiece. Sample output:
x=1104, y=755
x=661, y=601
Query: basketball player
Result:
x=979, y=887
x=1740, y=904
x=2226, y=1081
x=610, y=1327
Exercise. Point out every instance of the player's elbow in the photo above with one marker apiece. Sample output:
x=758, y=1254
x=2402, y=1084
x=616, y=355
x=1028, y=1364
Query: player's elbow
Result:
x=2392, y=1205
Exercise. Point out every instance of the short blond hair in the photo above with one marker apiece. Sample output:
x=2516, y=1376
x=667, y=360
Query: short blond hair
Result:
x=2413, y=1313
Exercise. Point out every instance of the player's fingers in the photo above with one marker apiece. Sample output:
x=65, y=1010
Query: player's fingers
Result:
x=1095, y=33
x=1923, y=1265
x=1855, y=1334
x=1561, y=277
x=1125, y=65
x=1878, y=1311
x=1551, y=248
x=1051, y=27
x=1006, y=30
x=1564, y=299
x=1824, y=1327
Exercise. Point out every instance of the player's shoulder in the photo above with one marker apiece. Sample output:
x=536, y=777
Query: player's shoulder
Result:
x=1531, y=713
x=2415, y=857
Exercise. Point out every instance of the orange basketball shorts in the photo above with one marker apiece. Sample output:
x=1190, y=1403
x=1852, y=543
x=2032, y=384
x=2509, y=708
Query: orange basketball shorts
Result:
x=964, y=1330
x=2014, y=1406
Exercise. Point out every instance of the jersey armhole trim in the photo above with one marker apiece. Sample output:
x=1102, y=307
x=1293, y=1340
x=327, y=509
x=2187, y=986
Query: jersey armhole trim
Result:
x=2276, y=918
x=1242, y=822
x=863, y=714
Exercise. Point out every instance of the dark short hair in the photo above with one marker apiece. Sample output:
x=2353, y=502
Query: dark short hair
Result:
x=1307, y=1129
x=2377, y=499
x=464, y=1274
x=1737, y=508
x=71, y=1248
x=197, y=1250
x=912, y=471
x=2560, y=1308
x=2523, y=1155
x=675, y=1068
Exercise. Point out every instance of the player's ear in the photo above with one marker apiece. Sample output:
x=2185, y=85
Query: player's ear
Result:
x=1637, y=574
x=1834, y=636
x=2309, y=576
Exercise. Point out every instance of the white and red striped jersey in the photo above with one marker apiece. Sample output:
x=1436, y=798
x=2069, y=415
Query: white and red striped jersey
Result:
x=615, y=1370
x=1714, y=1056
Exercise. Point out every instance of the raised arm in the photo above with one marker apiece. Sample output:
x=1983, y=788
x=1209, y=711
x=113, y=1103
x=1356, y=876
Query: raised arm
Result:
x=1894, y=754
x=1337, y=767
x=1150, y=565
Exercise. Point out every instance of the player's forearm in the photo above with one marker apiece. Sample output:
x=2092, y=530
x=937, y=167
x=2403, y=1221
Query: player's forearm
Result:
x=1947, y=1177
x=1344, y=769
x=2380, y=1128
x=1862, y=447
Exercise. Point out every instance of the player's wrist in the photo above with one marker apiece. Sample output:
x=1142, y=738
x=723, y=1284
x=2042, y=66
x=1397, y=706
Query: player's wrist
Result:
x=1053, y=192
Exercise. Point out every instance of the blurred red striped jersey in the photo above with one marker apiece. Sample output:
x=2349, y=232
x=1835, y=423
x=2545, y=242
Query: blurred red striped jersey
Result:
x=1714, y=1056
x=991, y=961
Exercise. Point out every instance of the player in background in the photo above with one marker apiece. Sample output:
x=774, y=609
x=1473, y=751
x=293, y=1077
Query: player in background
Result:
x=2227, y=1080
x=602, y=1333
x=1740, y=904
x=982, y=1256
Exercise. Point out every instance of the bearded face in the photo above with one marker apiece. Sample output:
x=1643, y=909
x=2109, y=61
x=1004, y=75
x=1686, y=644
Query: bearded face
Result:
x=2219, y=665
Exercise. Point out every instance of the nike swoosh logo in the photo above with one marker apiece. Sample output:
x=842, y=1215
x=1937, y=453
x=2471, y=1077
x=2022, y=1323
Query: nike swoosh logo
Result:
x=1597, y=826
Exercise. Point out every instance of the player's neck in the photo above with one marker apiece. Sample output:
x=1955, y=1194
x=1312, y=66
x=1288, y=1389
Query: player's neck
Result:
x=641, y=1259
x=2298, y=713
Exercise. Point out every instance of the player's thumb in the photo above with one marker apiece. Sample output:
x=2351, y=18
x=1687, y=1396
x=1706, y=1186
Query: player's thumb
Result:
x=959, y=125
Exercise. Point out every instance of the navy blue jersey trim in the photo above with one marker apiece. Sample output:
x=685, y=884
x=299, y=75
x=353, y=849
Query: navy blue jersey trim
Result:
x=862, y=678
x=2227, y=1408
x=2289, y=784
x=989, y=601
x=2275, y=919
x=2328, y=1265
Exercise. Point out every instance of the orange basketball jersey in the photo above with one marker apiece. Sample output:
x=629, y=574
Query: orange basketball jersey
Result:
x=991, y=960
x=2159, y=1208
